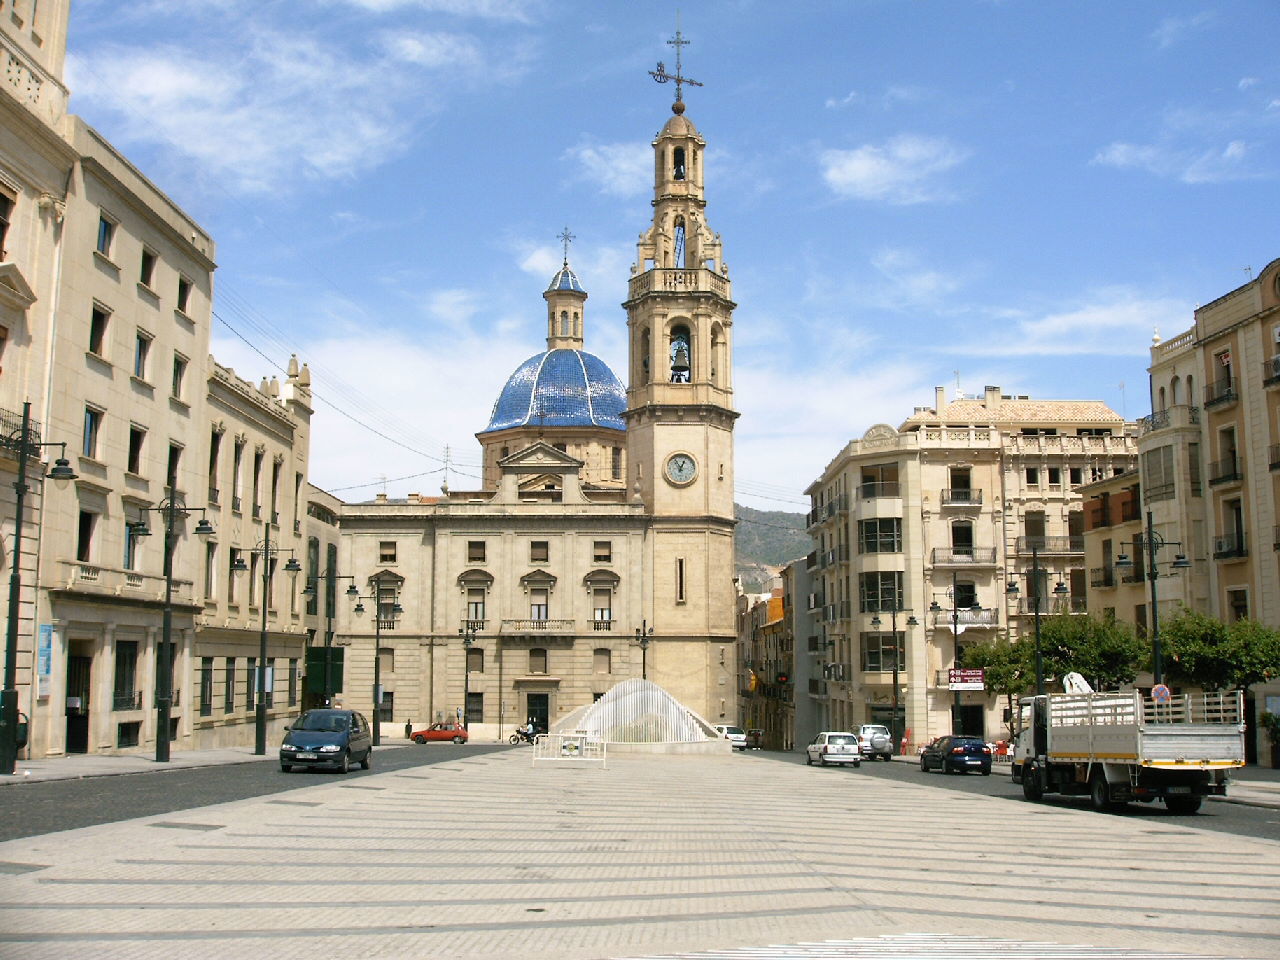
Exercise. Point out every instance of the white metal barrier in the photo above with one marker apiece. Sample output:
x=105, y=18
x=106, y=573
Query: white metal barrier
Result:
x=570, y=747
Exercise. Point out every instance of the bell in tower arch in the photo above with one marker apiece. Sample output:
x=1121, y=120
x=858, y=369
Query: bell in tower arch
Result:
x=680, y=356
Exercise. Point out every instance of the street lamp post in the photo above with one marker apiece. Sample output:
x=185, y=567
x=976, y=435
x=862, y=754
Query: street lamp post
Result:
x=394, y=610
x=936, y=608
x=267, y=552
x=468, y=634
x=1059, y=590
x=1152, y=545
x=23, y=447
x=173, y=508
x=643, y=633
x=895, y=727
x=329, y=602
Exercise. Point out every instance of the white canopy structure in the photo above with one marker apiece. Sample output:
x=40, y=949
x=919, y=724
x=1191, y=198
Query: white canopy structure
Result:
x=641, y=712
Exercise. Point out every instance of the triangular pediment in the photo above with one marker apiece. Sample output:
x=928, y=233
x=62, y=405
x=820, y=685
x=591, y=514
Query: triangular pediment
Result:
x=540, y=457
x=14, y=289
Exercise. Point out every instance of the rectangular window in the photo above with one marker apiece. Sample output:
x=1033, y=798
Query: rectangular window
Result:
x=293, y=681
x=171, y=470
x=106, y=234
x=475, y=603
x=184, y=294
x=251, y=684
x=84, y=536
x=210, y=569
x=880, y=536
x=1076, y=476
x=1158, y=481
x=387, y=708
x=386, y=661
x=141, y=349
x=1193, y=468
x=602, y=604
x=475, y=551
x=233, y=558
x=1055, y=476
x=256, y=500
x=387, y=551
x=616, y=465
x=7, y=200
x=878, y=650
x=1033, y=476
x=229, y=687
x=538, y=660
x=680, y=580
x=179, y=375
x=124, y=694
x=475, y=660
x=206, y=686
x=537, y=604
x=136, y=437
x=539, y=551
x=881, y=590
x=130, y=546
x=147, y=271
x=602, y=660
x=92, y=427
x=98, y=319
x=253, y=579
x=269, y=683
x=602, y=552
x=313, y=570
x=127, y=733
x=475, y=708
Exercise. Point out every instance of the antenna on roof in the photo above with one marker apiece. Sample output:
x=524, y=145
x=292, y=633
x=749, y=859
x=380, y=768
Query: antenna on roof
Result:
x=1122, y=405
x=959, y=395
x=1248, y=272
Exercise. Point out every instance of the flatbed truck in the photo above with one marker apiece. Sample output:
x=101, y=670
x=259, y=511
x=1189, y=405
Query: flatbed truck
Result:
x=1129, y=746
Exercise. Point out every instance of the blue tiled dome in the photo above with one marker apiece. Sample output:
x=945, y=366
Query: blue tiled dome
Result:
x=565, y=279
x=560, y=388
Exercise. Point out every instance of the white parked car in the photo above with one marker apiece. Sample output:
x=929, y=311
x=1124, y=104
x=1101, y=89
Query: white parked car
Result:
x=834, y=746
x=735, y=735
x=876, y=741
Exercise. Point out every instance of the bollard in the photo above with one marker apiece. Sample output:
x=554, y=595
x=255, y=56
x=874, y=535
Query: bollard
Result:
x=408, y=729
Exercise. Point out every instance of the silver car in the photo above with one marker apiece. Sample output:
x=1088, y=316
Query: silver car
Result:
x=834, y=746
x=735, y=735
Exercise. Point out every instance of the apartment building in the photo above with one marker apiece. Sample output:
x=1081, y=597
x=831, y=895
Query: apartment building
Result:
x=767, y=657
x=1210, y=462
x=919, y=531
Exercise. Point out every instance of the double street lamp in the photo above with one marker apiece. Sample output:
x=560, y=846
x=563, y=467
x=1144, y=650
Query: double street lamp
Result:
x=643, y=633
x=393, y=610
x=173, y=508
x=268, y=552
x=936, y=608
x=1152, y=543
x=309, y=591
x=468, y=634
x=1037, y=582
x=24, y=443
x=895, y=727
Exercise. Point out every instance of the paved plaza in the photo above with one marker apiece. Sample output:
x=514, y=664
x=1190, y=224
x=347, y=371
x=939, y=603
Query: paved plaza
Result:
x=489, y=857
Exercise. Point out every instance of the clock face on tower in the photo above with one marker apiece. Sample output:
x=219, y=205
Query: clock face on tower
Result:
x=681, y=469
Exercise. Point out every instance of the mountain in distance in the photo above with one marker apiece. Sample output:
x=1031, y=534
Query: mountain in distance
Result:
x=766, y=541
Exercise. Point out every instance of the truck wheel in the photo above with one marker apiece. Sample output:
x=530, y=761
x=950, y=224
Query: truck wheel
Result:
x=1100, y=794
x=1031, y=790
x=1183, y=806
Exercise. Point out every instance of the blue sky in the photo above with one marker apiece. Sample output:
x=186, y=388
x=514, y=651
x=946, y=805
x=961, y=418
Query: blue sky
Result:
x=910, y=195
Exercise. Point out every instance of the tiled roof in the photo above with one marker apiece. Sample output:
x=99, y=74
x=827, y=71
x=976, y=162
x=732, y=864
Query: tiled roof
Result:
x=560, y=388
x=1019, y=411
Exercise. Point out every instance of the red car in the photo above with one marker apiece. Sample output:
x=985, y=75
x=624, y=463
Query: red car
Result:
x=441, y=731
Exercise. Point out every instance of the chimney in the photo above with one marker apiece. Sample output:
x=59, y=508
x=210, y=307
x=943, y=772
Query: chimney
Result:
x=413, y=498
x=939, y=398
x=380, y=498
x=992, y=398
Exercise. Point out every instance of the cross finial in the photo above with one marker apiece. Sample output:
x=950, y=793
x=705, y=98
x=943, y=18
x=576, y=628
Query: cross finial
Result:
x=661, y=75
x=566, y=238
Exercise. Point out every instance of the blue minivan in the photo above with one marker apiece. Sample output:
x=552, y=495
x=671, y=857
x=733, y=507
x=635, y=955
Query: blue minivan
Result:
x=327, y=738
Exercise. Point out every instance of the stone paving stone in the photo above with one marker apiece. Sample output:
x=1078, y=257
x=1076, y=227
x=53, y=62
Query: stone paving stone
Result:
x=670, y=857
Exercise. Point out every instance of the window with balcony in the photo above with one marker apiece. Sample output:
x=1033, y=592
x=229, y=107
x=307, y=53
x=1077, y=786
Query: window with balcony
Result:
x=475, y=603
x=84, y=535
x=602, y=603
x=538, y=598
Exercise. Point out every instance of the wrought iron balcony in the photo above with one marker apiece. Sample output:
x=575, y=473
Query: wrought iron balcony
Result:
x=1271, y=371
x=126, y=700
x=1179, y=415
x=961, y=497
x=1102, y=577
x=1224, y=391
x=1227, y=470
x=963, y=556
x=1050, y=545
x=1230, y=545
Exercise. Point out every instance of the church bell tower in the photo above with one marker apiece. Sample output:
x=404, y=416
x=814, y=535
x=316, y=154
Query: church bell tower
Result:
x=680, y=420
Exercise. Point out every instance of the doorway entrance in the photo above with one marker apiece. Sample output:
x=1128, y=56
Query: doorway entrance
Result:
x=79, y=669
x=967, y=720
x=538, y=709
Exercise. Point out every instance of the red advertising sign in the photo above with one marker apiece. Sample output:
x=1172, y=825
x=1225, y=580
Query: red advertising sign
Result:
x=966, y=679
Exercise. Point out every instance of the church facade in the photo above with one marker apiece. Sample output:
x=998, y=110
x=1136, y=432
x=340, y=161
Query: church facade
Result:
x=600, y=545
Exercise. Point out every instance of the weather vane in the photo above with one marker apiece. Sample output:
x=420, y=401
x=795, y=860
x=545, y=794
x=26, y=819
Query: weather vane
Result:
x=566, y=238
x=662, y=76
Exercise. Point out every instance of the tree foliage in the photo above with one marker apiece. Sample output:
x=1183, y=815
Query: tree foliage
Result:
x=1202, y=651
x=1104, y=651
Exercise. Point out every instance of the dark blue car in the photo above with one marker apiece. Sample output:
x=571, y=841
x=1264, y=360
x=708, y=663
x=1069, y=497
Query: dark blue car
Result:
x=327, y=738
x=956, y=755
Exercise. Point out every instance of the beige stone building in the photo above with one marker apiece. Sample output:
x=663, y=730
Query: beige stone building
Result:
x=599, y=545
x=932, y=520
x=105, y=303
x=1210, y=463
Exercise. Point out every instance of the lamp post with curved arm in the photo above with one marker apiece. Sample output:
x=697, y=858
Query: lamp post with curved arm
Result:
x=468, y=634
x=310, y=591
x=393, y=610
x=895, y=728
x=1059, y=590
x=1151, y=545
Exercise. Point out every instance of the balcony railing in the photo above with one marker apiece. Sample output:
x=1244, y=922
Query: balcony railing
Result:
x=257, y=511
x=697, y=280
x=385, y=625
x=1227, y=470
x=537, y=626
x=1271, y=371
x=1102, y=577
x=966, y=617
x=961, y=497
x=11, y=430
x=875, y=489
x=602, y=626
x=964, y=556
x=126, y=700
x=1051, y=545
x=1179, y=415
x=1224, y=391
x=235, y=503
x=1230, y=545
x=1049, y=606
x=837, y=554
x=811, y=560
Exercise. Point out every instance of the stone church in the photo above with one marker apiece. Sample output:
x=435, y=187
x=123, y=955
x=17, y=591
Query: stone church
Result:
x=600, y=545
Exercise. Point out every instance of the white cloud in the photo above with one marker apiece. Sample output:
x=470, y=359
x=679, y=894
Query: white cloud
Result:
x=1247, y=82
x=1172, y=29
x=836, y=103
x=904, y=170
x=1187, y=164
x=913, y=283
x=434, y=50
x=618, y=169
x=893, y=95
x=518, y=10
x=1112, y=322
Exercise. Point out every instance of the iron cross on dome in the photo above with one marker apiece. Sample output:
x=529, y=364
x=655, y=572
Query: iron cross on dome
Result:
x=661, y=75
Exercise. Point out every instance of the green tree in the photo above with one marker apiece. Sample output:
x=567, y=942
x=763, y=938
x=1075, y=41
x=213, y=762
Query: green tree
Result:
x=1104, y=651
x=1008, y=668
x=1202, y=651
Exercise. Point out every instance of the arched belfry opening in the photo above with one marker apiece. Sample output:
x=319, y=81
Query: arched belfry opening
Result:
x=679, y=243
x=678, y=163
x=644, y=355
x=681, y=354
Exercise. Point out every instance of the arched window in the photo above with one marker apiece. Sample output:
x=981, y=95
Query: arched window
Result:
x=564, y=323
x=719, y=362
x=679, y=259
x=1191, y=390
x=1174, y=396
x=644, y=355
x=1162, y=404
x=681, y=355
x=538, y=660
x=678, y=163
